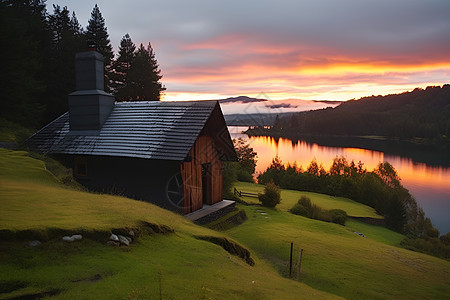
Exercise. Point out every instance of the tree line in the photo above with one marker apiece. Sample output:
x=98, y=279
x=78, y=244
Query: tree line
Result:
x=38, y=68
x=422, y=115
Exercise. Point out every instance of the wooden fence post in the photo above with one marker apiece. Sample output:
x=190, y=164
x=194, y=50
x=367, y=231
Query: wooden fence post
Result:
x=299, y=263
x=290, y=261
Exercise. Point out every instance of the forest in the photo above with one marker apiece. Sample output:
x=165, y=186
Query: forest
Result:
x=421, y=116
x=38, y=66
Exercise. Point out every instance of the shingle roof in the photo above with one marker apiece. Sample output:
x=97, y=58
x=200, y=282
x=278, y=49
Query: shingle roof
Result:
x=147, y=129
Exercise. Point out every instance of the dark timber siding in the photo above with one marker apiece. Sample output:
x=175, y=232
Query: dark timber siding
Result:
x=141, y=179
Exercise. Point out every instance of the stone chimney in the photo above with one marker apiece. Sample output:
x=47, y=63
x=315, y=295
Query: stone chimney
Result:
x=89, y=105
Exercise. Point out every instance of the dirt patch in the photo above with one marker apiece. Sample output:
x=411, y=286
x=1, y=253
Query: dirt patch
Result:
x=36, y=295
x=102, y=236
x=231, y=220
x=94, y=278
x=230, y=247
x=10, y=286
x=157, y=228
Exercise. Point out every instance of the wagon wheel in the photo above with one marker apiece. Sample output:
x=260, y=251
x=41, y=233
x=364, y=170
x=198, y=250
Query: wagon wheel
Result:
x=174, y=191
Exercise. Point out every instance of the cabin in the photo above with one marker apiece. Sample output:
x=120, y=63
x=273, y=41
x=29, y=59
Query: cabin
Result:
x=167, y=153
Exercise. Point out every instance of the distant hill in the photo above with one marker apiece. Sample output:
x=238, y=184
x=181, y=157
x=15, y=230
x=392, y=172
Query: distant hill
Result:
x=253, y=119
x=419, y=115
x=328, y=101
x=241, y=99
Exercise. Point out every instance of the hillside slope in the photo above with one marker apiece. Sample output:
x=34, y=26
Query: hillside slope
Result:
x=178, y=265
x=170, y=261
x=416, y=115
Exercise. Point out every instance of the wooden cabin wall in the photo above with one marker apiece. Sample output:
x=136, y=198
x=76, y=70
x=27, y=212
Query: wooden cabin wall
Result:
x=202, y=152
x=149, y=180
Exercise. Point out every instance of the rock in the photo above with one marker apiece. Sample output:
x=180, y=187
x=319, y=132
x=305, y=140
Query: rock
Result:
x=68, y=239
x=124, y=240
x=112, y=243
x=114, y=237
x=34, y=243
x=73, y=238
x=77, y=237
x=359, y=233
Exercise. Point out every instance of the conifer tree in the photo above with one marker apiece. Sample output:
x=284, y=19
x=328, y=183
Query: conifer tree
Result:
x=97, y=33
x=67, y=39
x=23, y=37
x=121, y=68
x=144, y=76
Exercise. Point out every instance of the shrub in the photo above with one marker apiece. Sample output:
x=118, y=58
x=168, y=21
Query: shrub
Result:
x=299, y=209
x=302, y=207
x=338, y=216
x=243, y=175
x=271, y=196
x=305, y=201
x=428, y=245
x=228, y=177
x=305, y=208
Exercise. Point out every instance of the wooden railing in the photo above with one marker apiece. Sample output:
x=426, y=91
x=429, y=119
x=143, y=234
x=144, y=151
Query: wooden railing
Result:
x=244, y=194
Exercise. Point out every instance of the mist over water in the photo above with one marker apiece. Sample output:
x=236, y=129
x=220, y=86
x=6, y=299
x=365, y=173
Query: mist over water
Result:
x=429, y=184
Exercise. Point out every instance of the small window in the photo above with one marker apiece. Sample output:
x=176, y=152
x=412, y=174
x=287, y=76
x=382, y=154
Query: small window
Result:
x=81, y=166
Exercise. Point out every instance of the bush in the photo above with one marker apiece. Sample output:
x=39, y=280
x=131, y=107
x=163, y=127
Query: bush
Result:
x=338, y=216
x=228, y=177
x=300, y=210
x=305, y=208
x=271, y=196
x=243, y=175
x=428, y=245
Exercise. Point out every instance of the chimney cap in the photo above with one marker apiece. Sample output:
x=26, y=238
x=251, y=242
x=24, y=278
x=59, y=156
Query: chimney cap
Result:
x=89, y=55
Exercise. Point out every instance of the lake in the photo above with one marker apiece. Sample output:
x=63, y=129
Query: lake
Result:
x=429, y=183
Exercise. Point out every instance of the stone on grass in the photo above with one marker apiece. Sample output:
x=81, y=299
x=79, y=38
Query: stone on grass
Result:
x=112, y=243
x=34, y=243
x=359, y=233
x=114, y=237
x=124, y=240
x=68, y=239
x=73, y=238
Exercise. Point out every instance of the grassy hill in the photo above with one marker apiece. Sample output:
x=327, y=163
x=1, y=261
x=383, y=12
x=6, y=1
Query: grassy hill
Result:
x=180, y=265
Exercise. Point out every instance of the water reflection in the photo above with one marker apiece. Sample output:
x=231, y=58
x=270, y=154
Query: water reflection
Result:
x=430, y=185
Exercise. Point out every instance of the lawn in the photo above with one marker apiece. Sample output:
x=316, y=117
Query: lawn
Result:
x=336, y=261
x=290, y=197
x=178, y=265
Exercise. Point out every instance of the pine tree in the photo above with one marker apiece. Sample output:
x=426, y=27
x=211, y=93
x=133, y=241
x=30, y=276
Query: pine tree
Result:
x=67, y=39
x=144, y=75
x=121, y=68
x=97, y=33
x=23, y=37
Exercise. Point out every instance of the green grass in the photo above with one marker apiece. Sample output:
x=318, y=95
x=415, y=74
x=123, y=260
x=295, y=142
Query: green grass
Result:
x=341, y=262
x=336, y=261
x=188, y=268
x=12, y=133
x=290, y=197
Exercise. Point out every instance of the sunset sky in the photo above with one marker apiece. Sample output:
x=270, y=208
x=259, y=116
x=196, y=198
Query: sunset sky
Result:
x=312, y=50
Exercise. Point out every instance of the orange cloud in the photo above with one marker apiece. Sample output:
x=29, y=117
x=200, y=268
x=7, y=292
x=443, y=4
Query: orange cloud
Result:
x=236, y=64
